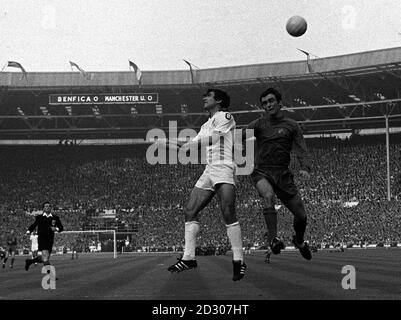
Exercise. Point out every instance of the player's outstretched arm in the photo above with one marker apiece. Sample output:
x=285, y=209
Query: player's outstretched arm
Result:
x=33, y=225
x=301, y=152
x=201, y=142
x=168, y=144
x=59, y=225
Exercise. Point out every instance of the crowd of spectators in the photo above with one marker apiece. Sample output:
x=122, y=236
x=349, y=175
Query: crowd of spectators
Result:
x=346, y=199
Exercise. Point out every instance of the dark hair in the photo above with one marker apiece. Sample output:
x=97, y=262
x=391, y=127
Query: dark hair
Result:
x=271, y=91
x=46, y=202
x=221, y=95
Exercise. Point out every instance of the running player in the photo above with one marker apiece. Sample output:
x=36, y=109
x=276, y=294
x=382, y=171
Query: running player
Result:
x=34, y=245
x=77, y=246
x=218, y=179
x=47, y=224
x=11, y=247
x=276, y=136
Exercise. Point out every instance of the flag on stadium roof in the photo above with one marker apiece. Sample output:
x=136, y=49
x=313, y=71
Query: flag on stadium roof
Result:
x=15, y=64
x=137, y=71
x=307, y=60
x=85, y=74
x=191, y=70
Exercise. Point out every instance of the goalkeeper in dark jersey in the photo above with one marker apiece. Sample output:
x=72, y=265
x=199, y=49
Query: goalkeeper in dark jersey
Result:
x=276, y=136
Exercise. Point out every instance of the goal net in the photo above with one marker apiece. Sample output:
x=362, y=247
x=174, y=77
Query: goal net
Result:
x=95, y=241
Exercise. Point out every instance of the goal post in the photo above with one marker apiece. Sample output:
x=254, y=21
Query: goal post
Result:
x=94, y=232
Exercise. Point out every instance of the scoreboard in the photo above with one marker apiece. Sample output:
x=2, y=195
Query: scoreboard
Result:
x=118, y=98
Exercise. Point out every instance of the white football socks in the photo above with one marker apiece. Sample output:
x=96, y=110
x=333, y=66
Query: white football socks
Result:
x=191, y=231
x=234, y=235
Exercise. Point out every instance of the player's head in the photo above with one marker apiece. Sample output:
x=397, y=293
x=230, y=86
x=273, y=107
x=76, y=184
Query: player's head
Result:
x=270, y=100
x=216, y=98
x=46, y=206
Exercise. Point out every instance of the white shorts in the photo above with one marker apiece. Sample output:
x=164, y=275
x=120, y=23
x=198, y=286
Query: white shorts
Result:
x=34, y=248
x=214, y=175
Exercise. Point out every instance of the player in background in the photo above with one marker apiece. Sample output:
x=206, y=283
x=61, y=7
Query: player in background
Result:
x=268, y=254
x=268, y=249
x=78, y=246
x=11, y=248
x=47, y=224
x=74, y=254
x=217, y=136
x=34, y=245
x=276, y=136
x=248, y=248
x=2, y=253
x=75, y=246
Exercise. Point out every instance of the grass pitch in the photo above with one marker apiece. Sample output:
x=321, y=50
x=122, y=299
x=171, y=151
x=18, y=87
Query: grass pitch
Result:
x=145, y=277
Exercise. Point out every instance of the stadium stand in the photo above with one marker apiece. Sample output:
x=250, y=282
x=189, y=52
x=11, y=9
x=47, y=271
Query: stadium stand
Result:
x=346, y=197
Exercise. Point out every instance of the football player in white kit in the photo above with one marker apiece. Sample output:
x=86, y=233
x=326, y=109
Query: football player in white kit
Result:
x=217, y=136
x=34, y=245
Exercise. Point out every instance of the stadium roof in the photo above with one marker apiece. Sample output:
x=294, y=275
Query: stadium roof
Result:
x=363, y=62
x=334, y=94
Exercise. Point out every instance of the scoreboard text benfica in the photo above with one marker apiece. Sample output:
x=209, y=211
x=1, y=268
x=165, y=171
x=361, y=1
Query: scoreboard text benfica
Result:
x=118, y=98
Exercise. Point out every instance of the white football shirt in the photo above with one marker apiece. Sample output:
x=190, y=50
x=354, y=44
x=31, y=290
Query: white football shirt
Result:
x=221, y=152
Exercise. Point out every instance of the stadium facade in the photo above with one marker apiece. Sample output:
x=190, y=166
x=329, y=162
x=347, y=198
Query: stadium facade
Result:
x=335, y=94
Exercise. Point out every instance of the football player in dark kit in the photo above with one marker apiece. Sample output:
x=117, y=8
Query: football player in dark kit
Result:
x=47, y=223
x=11, y=247
x=276, y=136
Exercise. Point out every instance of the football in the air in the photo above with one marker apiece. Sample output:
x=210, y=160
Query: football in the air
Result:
x=296, y=26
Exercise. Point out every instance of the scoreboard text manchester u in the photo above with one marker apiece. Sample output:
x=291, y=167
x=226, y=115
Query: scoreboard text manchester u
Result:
x=119, y=98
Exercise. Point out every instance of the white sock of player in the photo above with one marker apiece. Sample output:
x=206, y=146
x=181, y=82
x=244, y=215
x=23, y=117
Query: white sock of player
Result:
x=191, y=231
x=234, y=235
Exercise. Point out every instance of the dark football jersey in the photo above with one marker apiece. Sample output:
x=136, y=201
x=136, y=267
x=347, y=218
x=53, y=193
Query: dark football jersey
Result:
x=275, y=139
x=11, y=240
x=45, y=223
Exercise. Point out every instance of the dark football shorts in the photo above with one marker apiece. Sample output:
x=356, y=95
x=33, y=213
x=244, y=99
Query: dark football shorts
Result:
x=11, y=249
x=281, y=180
x=45, y=242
